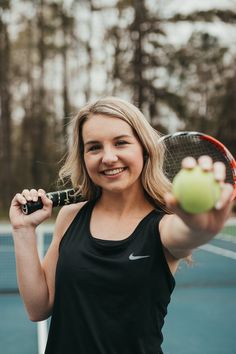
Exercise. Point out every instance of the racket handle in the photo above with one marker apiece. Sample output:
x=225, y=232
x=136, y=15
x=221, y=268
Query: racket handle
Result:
x=58, y=198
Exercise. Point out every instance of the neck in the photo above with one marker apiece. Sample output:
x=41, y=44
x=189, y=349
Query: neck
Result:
x=124, y=203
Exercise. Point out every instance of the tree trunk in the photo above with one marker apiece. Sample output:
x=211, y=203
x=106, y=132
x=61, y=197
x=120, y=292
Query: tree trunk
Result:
x=140, y=10
x=5, y=118
x=39, y=153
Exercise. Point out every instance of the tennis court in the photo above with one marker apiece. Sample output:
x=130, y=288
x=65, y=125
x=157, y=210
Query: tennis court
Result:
x=201, y=317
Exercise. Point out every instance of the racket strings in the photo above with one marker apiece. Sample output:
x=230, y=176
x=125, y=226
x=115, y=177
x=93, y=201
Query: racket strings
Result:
x=180, y=146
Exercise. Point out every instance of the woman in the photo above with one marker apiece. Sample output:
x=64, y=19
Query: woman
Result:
x=107, y=277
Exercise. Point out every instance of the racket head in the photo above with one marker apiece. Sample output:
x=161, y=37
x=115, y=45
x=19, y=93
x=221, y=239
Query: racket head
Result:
x=190, y=143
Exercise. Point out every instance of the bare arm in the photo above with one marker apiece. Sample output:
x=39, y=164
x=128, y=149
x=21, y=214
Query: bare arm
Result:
x=31, y=279
x=36, y=280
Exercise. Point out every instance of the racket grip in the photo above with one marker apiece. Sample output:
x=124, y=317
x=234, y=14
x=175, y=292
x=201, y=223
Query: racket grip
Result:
x=59, y=198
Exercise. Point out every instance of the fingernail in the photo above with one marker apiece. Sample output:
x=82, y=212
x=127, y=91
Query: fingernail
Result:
x=218, y=205
x=189, y=162
x=206, y=166
x=205, y=162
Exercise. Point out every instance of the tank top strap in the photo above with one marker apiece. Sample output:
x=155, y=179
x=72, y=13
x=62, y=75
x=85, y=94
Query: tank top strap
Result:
x=80, y=222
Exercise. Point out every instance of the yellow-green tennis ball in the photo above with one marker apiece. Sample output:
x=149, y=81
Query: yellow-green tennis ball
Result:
x=196, y=190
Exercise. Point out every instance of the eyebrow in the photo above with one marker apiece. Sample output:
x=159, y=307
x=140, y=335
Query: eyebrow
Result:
x=90, y=142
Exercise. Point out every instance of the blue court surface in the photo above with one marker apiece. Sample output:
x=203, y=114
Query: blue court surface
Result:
x=17, y=334
x=202, y=314
x=201, y=317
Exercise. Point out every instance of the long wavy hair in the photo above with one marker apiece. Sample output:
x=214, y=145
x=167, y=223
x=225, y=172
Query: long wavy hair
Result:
x=154, y=182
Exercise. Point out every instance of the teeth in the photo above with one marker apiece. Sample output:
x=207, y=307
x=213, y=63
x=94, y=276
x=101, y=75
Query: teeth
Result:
x=113, y=172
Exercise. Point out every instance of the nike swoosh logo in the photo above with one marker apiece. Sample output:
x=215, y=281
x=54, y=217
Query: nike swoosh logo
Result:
x=134, y=258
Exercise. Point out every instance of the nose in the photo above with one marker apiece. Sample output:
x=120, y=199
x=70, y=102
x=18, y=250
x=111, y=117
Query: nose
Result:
x=109, y=156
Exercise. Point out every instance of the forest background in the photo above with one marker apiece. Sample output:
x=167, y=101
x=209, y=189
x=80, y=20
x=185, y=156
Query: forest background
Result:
x=176, y=62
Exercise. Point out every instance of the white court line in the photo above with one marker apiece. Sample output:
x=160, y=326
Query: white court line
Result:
x=42, y=336
x=231, y=221
x=218, y=250
x=42, y=330
x=225, y=237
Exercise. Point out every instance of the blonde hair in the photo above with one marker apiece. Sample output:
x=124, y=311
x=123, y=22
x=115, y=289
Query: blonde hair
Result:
x=154, y=182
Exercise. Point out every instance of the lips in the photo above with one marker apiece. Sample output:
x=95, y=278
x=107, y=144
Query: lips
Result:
x=113, y=172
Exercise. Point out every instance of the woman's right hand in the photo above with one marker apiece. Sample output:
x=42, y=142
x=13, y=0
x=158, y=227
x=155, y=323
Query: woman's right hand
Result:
x=18, y=219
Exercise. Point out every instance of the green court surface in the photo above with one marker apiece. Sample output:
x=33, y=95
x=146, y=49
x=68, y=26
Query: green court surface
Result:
x=201, y=317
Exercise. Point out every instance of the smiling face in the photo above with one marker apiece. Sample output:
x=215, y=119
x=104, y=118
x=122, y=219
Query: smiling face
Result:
x=113, y=155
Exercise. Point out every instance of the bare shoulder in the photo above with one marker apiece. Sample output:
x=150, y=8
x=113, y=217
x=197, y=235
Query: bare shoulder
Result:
x=65, y=218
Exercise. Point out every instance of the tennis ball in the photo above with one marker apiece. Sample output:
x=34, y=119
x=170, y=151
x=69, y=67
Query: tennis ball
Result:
x=196, y=190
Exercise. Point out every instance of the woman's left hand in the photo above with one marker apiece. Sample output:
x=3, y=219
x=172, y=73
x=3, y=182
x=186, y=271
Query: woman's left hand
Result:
x=210, y=222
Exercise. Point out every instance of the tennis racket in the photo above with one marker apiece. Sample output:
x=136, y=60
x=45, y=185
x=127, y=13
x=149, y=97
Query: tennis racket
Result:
x=178, y=146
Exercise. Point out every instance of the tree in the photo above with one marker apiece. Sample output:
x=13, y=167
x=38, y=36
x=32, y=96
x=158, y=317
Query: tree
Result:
x=226, y=122
x=206, y=79
x=141, y=58
x=199, y=67
x=38, y=135
x=5, y=109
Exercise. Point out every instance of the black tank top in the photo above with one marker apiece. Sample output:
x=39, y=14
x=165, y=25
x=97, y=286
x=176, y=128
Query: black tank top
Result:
x=111, y=297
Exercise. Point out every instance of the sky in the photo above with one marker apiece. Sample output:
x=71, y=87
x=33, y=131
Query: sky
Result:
x=177, y=33
x=181, y=32
x=186, y=6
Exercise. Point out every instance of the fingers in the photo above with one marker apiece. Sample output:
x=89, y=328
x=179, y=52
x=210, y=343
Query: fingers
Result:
x=226, y=196
x=31, y=196
x=189, y=163
x=19, y=199
x=19, y=219
x=206, y=163
x=170, y=200
x=219, y=170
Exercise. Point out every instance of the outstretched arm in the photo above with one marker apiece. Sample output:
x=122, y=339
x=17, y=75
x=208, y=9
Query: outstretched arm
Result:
x=182, y=232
